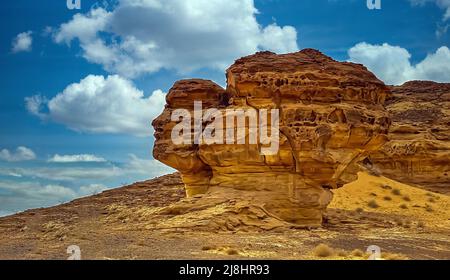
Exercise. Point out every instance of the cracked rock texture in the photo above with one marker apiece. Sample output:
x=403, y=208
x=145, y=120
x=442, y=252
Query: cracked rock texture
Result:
x=419, y=148
x=331, y=118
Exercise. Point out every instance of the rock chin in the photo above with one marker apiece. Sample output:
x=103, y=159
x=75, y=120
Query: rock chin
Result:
x=331, y=117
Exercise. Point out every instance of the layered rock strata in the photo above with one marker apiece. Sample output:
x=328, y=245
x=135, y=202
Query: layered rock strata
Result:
x=419, y=148
x=331, y=116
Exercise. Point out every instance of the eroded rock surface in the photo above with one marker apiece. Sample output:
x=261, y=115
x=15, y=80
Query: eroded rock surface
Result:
x=331, y=118
x=419, y=148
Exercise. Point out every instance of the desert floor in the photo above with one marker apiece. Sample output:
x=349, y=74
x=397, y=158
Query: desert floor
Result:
x=153, y=220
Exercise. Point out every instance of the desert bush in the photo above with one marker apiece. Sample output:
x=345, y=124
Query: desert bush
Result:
x=231, y=251
x=373, y=204
x=357, y=253
x=323, y=251
x=341, y=253
x=207, y=248
x=406, y=198
x=404, y=206
x=393, y=257
x=396, y=192
x=387, y=198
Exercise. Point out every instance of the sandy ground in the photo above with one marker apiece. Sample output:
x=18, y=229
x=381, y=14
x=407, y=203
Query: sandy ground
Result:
x=153, y=220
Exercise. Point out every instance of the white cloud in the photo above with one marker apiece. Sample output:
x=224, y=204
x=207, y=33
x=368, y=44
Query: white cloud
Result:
x=92, y=189
x=392, y=64
x=144, y=36
x=147, y=166
x=19, y=196
x=443, y=4
x=76, y=158
x=30, y=192
x=21, y=154
x=101, y=105
x=71, y=174
x=135, y=167
x=22, y=42
x=34, y=104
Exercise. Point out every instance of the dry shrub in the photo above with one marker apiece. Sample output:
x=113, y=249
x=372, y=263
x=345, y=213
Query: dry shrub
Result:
x=373, y=204
x=341, y=253
x=231, y=251
x=357, y=253
x=323, y=251
x=393, y=257
x=387, y=198
x=406, y=198
x=396, y=192
x=207, y=248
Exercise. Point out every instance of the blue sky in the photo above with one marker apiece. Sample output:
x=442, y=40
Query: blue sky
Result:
x=111, y=62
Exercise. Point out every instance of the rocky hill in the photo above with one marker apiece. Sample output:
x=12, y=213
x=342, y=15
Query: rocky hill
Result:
x=419, y=148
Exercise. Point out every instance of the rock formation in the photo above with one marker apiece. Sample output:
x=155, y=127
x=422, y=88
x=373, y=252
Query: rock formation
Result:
x=331, y=116
x=419, y=148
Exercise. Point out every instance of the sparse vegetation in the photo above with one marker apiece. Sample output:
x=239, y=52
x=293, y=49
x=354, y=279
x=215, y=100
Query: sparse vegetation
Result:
x=231, y=251
x=386, y=187
x=396, y=192
x=373, y=194
x=207, y=248
x=387, y=198
x=393, y=257
x=323, y=251
x=373, y=204
x=404, y=206
x=358, y=253
x=341, y=253
x=428, y=208
x=406, y=198
x=432, y=200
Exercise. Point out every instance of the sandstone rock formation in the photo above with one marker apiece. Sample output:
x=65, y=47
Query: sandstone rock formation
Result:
x=331, y=118
x=419, y=148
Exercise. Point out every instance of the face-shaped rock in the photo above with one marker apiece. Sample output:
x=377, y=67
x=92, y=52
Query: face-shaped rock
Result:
x=331, y=116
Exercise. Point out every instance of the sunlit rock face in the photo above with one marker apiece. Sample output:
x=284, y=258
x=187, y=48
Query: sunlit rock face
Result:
x=419, y=148
x=331, y=116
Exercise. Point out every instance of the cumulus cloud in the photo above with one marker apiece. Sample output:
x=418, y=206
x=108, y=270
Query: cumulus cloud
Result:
x=22, y=42
x=76, y=158
x=392, y=64
x=144, y=36
x=146, y=166
x=20, y=154
x=101, y=105
x=35, y=187
x=19, y=196
x=134, y=167
x=92, y=189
